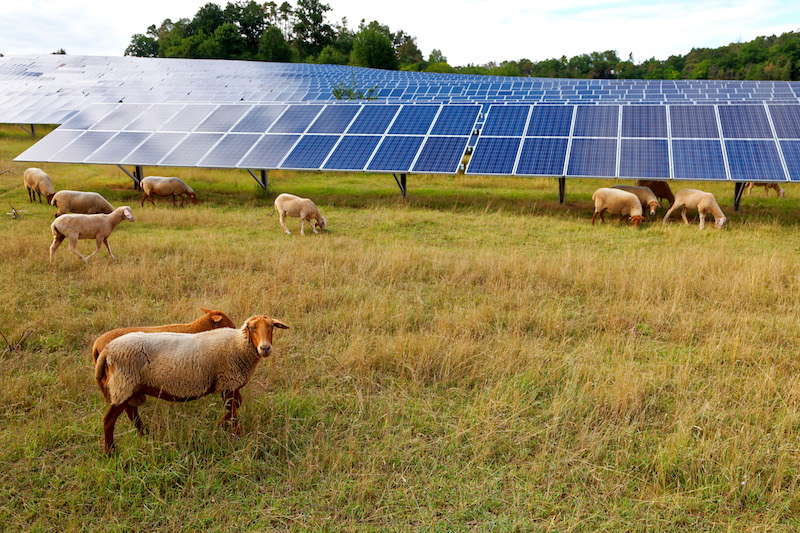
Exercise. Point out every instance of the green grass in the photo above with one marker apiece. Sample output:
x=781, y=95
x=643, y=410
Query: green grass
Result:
x=476, y=358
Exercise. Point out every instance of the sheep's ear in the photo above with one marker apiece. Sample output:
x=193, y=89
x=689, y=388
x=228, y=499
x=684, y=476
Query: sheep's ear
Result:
x=279, y=324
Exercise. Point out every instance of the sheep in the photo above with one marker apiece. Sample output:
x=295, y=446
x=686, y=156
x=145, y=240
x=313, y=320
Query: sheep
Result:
x=660, y=189
x=767, y=186
x=38, y=182
x=645, y=195
x=161, y=186
x=87, y=203
x=210, y=320
x=294, y=206
x=704, y=202
x=180, y=367
x=617, y=202
x=97, y=227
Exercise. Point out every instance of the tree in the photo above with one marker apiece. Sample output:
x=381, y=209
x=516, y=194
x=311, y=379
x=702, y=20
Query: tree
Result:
x=372, y=48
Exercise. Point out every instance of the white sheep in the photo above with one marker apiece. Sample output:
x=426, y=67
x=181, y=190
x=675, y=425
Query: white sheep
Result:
x=704, y=202
x=617, y=202
x=161, y=186
x=767, y=186
x=644, y=194
x=87, y=203
x=97, y=227
x=180, y=367
x=38, y=182
x=294, y=206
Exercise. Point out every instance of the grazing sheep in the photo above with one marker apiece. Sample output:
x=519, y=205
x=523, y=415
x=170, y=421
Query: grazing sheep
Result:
x=210, y=320
x=644, y=194
x=704, y=202
x=97, y=227
x=660, y=189
x=88, y=203
x=161, y=186
x=38, y=182
x=767, y=186
x=294, y=206
x=180, y=367
x=617, y=202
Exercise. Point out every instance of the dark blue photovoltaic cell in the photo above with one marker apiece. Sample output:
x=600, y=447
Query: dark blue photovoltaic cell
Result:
x=230, y=150
x=414, y=120
x=744, y=122
x=353, y=152
x=550, y=121
x=644, y=121
x=396, y=154
x=786, y=119
x=334, y=119
x=542, y=157
x=754, y=160
x=596, y=121
x=456, y=120
x=791, y=154
x=698, y=160
x=310, y=152
x=191, y=149
x=79, y=149
x=441, y=155
x=593, y=157
x=222, y=118
x=506, y=121
x=258, y=119
x=153, y=150
x=296, y=119
x=373, y=119
x=118, y=147
x=494, y=155
x=269, y=151
x=693, y=122
x=644, y=158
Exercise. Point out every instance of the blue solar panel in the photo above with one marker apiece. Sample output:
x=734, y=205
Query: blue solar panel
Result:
x=644, y=121
x=414, y=120
x=456, y=120
x=310, y=152
x=791, y=154
x=269, y=151
x=593, y=157
x=296, y=119
x=744, y=122
x=334, y=119
x=191, y=149
x=441, y=155
x=693, y=122
x=373, y=119
x=494, y=155
x=259, y=119
x=396, y=153
x=596, y=121
x=786, y=119
x=698, y=160
x=230, y=150
x=506, y=121
x=153, y=149
x=754, y=161
x=353, y=152
x=542, y=157
x=550, y=121
x=644, y=158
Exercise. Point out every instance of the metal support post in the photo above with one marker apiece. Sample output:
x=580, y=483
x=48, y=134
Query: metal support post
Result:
x=401, y=182
x=737, y=194
x=562, y=190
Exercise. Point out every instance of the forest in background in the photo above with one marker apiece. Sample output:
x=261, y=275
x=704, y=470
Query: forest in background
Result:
x=302, y=33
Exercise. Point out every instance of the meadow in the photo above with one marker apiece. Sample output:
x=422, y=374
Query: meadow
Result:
x=476, y=358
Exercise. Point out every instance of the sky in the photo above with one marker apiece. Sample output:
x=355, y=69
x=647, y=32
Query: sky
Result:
x=465, y=31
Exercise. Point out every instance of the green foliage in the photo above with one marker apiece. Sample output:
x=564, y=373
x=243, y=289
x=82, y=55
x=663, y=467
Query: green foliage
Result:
x=373, y=49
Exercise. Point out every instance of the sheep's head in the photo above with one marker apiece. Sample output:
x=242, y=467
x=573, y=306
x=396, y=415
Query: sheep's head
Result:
x=259, y=330
x=636, y=220
x=218, y=319
x=320, y=222
x=653, y=206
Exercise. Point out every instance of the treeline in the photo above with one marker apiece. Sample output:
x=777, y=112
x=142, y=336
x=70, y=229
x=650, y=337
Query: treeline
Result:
x=302, y=33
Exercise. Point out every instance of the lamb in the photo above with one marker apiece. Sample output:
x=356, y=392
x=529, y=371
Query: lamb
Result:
x=161, y=186
x=660, y=189
x=38, y=182
x=645, y=195
x=180, y=367
x=294, y=206
x=704, y=202
x=767, y=186
x=97, y=227
x=210, y=320
x=617, y=202
x=87, y=203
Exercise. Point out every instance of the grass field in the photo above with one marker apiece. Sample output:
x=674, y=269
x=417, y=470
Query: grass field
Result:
x=478, y=358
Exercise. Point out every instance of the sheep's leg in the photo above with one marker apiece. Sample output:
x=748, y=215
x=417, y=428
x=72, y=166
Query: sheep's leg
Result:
x=105, y=241
x=57, y=240
x=73, y=247
x=232, y=402
x=283, y=223
x=683, y=214
x=133, y=414
x=108, y=425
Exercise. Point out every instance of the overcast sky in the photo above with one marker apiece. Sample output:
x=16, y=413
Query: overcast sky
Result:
x=466, y=31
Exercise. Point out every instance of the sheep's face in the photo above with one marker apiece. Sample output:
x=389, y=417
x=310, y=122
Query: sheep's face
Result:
x=259, y=330
x=653, y=206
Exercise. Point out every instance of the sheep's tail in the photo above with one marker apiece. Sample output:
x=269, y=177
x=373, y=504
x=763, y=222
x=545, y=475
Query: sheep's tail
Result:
x=100, y=374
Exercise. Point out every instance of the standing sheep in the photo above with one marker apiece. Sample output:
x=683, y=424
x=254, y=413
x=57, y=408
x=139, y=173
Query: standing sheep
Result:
x=704, y=202
x=97, y=227
x=294, y=206
x=767, y=186
x=180, y=367
x=87, y=203
x=617, y=202
x=38, y=182
x=660, y=188
x=163, y=187
x=644, y=194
